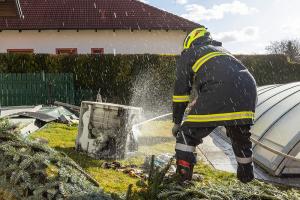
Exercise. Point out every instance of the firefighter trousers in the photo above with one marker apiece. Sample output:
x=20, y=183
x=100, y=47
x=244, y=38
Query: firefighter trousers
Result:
x=189, y=137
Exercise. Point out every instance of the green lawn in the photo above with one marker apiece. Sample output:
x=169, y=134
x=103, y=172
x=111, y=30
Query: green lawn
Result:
x=62, y=138
x=155, y=139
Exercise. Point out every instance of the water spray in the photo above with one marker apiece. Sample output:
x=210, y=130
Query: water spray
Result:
x=136, y=131
x=150, y=120
x=135, y=127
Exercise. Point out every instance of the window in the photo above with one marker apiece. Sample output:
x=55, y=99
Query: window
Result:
x=66, y=51
x=97, y=51
x=20, y=51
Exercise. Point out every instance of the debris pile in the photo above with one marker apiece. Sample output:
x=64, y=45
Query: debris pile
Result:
x=31, y=119
x=131, y=170
x=30, y=170
x=160, y=162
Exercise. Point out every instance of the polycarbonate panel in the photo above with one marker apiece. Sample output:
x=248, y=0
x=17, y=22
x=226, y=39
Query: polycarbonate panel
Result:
x=276, y=99
x=263, y=97
x=280, y=137
x=265, y=88
x=285, y=129
x=266, y=120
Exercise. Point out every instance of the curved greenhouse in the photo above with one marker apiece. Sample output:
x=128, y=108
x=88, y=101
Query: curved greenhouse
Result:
x=277, y=125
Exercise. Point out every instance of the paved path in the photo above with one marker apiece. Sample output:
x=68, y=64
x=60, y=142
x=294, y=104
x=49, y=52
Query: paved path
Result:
x=218, y=153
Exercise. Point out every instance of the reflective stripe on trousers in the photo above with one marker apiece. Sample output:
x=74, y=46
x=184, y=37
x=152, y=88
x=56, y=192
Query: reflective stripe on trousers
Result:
x=220, y=117
x=244, y=160
x=186, y=148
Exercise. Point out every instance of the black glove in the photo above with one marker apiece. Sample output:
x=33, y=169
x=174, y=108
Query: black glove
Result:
x=175, y=129
x=245, y=173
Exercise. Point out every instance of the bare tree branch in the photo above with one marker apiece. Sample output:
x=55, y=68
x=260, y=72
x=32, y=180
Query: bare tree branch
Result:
x=290, y=48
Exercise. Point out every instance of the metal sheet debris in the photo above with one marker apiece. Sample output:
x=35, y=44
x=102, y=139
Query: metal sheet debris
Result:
x=7, y=111
x=72, y=108
x=37, y=115
x=29, y=119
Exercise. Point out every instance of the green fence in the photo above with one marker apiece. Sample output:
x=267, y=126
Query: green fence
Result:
x=36, y=88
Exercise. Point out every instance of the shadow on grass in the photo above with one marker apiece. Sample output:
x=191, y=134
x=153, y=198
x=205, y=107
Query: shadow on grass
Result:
x=82, y=159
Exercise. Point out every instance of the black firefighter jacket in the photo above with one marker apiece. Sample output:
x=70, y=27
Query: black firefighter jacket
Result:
x=226, y=90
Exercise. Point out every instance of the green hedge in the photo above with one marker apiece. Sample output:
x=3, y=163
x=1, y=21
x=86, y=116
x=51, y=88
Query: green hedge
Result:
x=118, y=77
x=142, y=79
x=271, y=69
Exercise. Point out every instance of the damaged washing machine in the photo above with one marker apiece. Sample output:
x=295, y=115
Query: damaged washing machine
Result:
x=105, y=130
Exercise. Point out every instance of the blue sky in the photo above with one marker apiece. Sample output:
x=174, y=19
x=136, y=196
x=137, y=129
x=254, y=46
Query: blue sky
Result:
x=244, y=26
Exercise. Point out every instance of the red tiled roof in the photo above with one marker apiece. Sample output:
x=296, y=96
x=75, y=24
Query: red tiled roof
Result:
x=93, y=14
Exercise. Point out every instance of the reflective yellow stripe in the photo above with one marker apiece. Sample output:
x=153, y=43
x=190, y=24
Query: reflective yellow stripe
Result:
x=181, y=99
x=220, y=117
x=206, y=58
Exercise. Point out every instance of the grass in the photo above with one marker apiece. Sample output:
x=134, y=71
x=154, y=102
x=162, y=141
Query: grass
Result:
x=156, y=138
x=62, y=138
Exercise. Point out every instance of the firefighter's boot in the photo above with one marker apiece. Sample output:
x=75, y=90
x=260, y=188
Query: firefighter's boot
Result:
x=184, y=170
x=245, y=172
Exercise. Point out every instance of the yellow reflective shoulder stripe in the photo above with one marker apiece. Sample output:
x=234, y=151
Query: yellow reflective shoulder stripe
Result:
x=206, y=58
x=181, y=99
x=220, y=117
x=203, y=58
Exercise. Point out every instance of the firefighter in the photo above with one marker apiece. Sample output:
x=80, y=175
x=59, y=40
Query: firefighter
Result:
x=227, y=97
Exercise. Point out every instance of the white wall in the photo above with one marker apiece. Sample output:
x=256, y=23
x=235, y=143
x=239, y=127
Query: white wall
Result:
x=119, y=42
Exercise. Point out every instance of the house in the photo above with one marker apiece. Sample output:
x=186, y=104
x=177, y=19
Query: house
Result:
x=92, y=27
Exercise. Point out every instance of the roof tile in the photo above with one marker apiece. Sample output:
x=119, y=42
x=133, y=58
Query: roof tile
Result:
x=93, y=14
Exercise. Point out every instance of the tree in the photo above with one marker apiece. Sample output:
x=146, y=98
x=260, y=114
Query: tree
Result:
x=290, y=48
